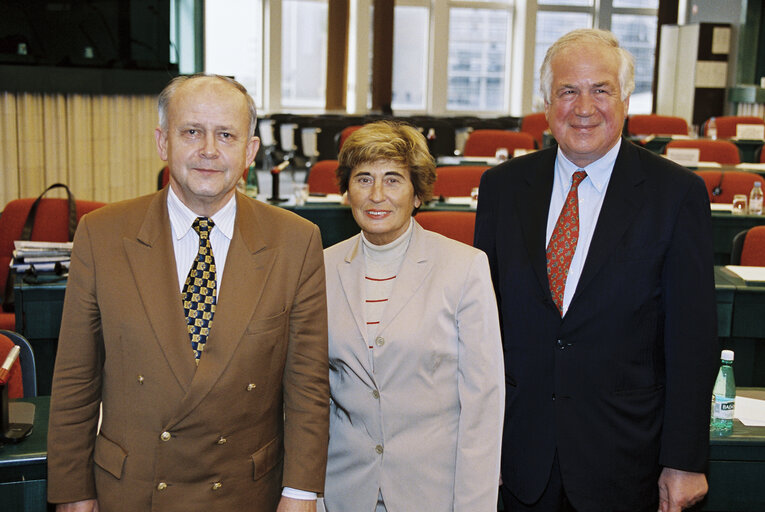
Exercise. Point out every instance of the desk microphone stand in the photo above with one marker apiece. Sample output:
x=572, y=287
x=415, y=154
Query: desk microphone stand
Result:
x=10, y=432
x=275, y=172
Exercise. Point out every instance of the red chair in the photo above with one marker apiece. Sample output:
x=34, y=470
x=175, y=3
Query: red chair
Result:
x=653, y=124
x=726, y=125
x=51, y=225
x=535, y=125
x=457, y=181
x=762, y=155
x=720, y=151
x=749, y=248
x=727, y=184
x=322, y=178
x=15, y=381
x=487, y=142
x=456, y=225
x=347, y=131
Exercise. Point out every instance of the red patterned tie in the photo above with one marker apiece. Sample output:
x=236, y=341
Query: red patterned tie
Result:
x=560, y=250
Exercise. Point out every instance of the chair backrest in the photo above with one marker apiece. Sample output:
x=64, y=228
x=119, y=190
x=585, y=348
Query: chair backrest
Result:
x=345, y=133
x=654, y=124
x=726, y=125
x=720, y=151
x=762, y=155
x=727, y=184
x=749, y=247
x=51, y=224
x=456, y=225
x=322, y=179
x=457, y=181
x=18, y=385
x=535, y=125
x=486, y=142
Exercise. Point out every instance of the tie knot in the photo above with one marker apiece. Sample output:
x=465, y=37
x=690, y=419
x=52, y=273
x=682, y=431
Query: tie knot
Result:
x=578, y=177
x=203, y=225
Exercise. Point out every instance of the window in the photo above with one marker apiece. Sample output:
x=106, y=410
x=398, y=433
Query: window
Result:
x=304, y=53
x=410, y=57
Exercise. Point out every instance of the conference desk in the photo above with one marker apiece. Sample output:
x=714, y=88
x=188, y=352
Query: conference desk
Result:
x=736, y=466
x=749, y=150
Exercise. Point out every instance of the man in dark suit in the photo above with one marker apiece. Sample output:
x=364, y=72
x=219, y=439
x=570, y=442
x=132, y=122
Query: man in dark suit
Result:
x=601, y=257
x=196, y=317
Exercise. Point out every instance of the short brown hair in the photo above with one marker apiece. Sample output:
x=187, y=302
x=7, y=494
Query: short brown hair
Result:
x=389, y=141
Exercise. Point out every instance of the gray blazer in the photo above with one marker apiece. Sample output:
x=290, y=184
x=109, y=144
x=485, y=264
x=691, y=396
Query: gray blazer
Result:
x=425, y=425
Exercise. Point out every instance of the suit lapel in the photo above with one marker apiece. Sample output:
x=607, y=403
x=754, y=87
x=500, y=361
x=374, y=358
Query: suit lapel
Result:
x=414, y=270
x=351, y=271
x=152, y=262
x=621, y=205
x=248, y=265
x=533, y=207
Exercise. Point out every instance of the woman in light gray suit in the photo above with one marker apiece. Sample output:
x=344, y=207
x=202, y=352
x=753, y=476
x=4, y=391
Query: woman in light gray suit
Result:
x=416, y=371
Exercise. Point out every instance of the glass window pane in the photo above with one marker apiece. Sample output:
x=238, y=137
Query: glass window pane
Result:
x=477, y=57
x=552, y=25
x=564, y=2
x=304, y=53
x=646, y=4
x=638, y=35
x=237, y=26
x=410, y=57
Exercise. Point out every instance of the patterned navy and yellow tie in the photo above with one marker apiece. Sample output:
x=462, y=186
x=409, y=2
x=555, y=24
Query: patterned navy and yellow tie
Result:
x=560, y=250
x=199, y=291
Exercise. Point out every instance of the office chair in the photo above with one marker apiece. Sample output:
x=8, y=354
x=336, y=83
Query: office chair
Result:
x=23, y=381
x=51, y=225
x=720, y=151
x=749, y=247
x=345, y=133
x=726, y=125
x=487, y=142
x=535, y=125
x=457, y=181
x=653, y=124
x=723, y=185
x=322, y=179
x=457, y=225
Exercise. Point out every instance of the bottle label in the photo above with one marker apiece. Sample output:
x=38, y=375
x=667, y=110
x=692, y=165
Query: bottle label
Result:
x=724, y=407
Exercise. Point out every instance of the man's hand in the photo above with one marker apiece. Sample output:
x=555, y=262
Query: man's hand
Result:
x=292, y=505
x=78, y=506
x=680, y=489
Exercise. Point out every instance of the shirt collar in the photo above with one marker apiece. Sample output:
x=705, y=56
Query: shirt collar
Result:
x=598, y=171
x=181, y=216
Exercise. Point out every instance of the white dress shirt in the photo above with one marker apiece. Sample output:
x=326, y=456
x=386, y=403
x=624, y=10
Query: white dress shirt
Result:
x=591, y=192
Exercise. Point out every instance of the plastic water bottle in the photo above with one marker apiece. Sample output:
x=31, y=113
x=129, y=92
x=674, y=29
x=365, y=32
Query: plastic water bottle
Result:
x=755, y=199
x=712, y=128
x=723, y=397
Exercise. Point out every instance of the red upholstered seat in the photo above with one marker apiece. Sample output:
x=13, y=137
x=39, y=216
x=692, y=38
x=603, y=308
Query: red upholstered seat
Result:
x=51, y=225
x=347, y=131
x=535, y=125
x=753, y=252
x=726, y=125
x=729, y=182
x=486, y=142
x=457, y=181
x=653, y=124
x=322, y=178
x=720, y=151
x=15, y=383
x=456, y=225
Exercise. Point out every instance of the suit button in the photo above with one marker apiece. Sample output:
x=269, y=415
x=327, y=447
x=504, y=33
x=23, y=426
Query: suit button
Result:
x=140, y=379
x=216, y=486
x=250, y=386
x=165, y=436
x=161, y=486
x=561, y=345
x=222, y=440
x=375, y=394
x=380, y=341
x=379, y=449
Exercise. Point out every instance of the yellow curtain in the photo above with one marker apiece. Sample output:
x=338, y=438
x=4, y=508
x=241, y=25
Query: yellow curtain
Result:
x=101, y=146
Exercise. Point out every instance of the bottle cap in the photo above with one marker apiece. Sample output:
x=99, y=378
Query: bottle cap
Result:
x=727, y=355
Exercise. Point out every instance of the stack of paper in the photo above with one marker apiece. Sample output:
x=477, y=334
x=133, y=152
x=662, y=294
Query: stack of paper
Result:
x=44, y=256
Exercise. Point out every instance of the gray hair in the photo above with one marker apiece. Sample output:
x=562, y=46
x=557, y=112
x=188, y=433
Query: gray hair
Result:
x=593, y=36
x=167, y=93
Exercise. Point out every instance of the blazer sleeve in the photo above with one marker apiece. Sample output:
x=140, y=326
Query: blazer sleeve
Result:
x=481, y=393
x=691, y=348
x=306, y=377
x=76, y=393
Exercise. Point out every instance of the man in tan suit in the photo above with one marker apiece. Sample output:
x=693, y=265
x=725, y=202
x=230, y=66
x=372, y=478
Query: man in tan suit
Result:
x=229, y=414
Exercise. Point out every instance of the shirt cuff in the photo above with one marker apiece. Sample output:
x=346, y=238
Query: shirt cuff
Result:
x=297, y=494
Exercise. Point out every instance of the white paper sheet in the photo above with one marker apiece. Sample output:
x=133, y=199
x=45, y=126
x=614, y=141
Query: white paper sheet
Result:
x=750, y=411
x=749, y=274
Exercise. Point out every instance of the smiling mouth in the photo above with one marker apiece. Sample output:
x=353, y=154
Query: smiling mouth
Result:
x=376, y=214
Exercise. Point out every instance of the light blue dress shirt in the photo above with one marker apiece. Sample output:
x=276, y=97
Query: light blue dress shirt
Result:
x=591, y=193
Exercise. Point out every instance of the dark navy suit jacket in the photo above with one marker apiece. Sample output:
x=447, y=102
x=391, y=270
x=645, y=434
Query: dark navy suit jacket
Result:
x=620, y=386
